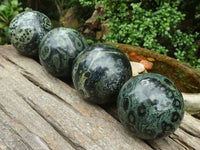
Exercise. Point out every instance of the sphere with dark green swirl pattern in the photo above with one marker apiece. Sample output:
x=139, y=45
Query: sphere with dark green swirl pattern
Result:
x=150, y=106
x=99, y=72
x=58, y=49
x=27, y=29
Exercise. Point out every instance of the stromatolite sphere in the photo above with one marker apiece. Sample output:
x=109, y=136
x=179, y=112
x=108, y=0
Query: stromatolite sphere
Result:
x=27, y=29
x=150, y=106
x=58, y=49
x=99, y=73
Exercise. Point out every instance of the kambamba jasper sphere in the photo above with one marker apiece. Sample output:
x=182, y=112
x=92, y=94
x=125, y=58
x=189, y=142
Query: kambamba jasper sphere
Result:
x=27, y=29
x=150, y=106
x=59, y=48
x=99, y=73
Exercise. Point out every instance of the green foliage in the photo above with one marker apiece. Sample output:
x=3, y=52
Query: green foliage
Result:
x=88, y=3
x=151, y=24
x=140, y=27
x=185, y=48
x=8, y=10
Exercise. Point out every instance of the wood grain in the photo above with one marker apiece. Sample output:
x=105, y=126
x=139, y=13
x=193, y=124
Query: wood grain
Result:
x=41, y=112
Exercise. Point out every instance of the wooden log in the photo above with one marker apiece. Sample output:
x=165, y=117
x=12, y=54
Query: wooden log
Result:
x=39, y=111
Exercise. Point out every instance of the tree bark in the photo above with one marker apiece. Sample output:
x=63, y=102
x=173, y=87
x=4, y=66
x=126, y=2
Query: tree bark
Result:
x=39, y=111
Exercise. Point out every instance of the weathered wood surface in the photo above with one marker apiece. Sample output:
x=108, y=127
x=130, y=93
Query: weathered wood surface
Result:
x=40, y=112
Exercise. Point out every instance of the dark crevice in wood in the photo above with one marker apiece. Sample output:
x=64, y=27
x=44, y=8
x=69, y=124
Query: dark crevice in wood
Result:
x=177, y=142
x=181, y=142
x=2, y=66
x=12, y=129
x=24, y=127
x=6, y=112
x=29, y=77
x=190, y=133
x=52, y=122
x=12, y=62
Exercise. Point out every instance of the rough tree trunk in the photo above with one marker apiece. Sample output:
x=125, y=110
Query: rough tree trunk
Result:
x=41, y=112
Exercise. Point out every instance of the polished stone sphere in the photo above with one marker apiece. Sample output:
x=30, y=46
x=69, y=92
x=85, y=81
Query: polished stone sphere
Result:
x=27, y=29
x=150, y=106
x=59, y=48
x=99, y=72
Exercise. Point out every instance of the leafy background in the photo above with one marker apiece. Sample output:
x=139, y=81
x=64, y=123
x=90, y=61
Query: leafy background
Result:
x=168, y=27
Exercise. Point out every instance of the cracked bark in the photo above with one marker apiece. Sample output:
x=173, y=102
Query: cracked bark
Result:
x=38, y=111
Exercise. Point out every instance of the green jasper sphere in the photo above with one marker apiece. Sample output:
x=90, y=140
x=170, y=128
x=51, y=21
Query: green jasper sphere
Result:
x=59, y=48
x=150, y=106
x=99, y=72
x=27, y=29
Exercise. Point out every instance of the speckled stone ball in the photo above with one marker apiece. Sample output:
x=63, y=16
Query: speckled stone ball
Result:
x=99, y=73
x=27, y=29
x=150, y=106
x=59, y=48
